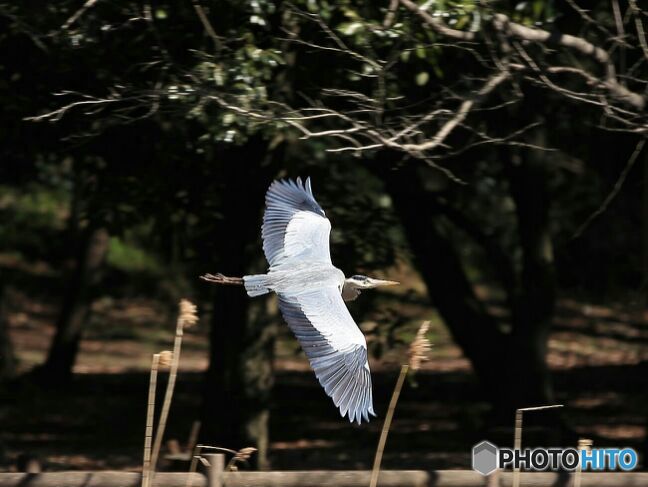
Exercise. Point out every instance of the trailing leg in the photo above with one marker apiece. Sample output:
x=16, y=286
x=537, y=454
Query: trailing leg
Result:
x=221, y=279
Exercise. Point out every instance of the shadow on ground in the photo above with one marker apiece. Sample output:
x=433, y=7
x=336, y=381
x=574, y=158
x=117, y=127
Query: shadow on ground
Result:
x=98, y=422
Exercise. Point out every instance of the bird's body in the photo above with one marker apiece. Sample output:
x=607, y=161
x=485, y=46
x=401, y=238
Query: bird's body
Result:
x=294, y=278
x=310, y=288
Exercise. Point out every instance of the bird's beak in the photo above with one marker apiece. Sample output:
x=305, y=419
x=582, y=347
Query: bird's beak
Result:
x=381, y=282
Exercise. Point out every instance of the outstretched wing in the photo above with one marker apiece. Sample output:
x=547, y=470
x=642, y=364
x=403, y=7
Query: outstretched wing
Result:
x=294, y=224
x=335, y=347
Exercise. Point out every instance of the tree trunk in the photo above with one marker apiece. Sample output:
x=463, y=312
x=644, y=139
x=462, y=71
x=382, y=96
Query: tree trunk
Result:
x=533, y=313
x=76, y=306
x=510, y=366
x=644, y=233
x=239, y=379
x=7, y=358
x=474, y=330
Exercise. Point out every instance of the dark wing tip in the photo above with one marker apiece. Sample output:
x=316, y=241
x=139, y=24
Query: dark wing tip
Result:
x=348, y=382
x=295, y=193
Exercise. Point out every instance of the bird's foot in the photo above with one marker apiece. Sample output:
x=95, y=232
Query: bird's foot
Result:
x=219, y=278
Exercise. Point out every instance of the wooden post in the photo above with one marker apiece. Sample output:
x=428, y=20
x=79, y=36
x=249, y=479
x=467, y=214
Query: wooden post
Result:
x=216, y=469
x=493, y=480
x=517, y=444
x=517, y=439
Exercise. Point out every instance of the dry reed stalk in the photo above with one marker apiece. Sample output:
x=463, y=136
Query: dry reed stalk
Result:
x=192, y=441
x=583, y=444
x=193, y=465
x=186, y=317
x=517, y=438
x=417, y=354
x=517, y=444
x=375, y=471
x=150, y=413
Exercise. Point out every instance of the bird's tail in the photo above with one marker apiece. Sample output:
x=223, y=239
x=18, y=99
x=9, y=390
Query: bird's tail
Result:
x=257, y=284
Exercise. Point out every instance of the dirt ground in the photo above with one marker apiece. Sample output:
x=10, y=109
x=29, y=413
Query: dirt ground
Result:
x=98, y=422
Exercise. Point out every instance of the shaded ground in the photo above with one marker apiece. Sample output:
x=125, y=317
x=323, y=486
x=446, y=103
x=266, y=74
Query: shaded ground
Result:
x=599, y=358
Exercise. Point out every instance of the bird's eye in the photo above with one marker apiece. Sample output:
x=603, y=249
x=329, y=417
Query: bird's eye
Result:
x=358, y=277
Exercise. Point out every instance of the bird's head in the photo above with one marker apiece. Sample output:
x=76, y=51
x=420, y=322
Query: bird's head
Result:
x=356, y=284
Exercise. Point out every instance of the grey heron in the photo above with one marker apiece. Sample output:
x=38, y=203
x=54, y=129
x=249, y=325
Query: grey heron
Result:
x=312, y=293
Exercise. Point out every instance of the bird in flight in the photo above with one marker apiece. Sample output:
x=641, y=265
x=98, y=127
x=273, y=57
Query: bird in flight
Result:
x=312, y=292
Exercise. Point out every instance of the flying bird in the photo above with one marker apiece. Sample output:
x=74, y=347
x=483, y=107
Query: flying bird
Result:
x=312, y=292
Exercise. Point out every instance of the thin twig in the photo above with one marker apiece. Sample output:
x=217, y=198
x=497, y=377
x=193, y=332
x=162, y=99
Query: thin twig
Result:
x=641, y=34
x=615, y=190
x=620, y=33
x=460, y=115
x=76, y=15
x=587, y=18
x=207, y=25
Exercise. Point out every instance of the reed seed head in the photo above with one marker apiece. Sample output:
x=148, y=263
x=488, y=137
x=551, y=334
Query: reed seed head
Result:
x=166, y=358
x=245, y=453
x=585, y=444
x=419, y=348
x=188, y=315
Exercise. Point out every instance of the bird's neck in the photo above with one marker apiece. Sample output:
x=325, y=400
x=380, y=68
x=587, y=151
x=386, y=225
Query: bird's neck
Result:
x=350, y=291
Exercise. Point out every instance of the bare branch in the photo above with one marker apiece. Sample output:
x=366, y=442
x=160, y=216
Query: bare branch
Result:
x=77, y=15
x=508, y=140
x=391, y=14
x=411, y=128
x=579, y=44
x=341, y=45
x=460, y=115
x=438, y=24
x=207, y=25
x=342, y=50
x=641, y=34
x=502, y=23
x=587, y=18
x=615, y=190
x=56, y=115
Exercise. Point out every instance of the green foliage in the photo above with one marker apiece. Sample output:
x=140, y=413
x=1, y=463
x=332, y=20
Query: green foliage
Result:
x=130, y=258
x=32, y=216
x=158, y=155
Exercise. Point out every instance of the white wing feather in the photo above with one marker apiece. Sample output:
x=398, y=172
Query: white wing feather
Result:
x=335, y=347
x=294, y=225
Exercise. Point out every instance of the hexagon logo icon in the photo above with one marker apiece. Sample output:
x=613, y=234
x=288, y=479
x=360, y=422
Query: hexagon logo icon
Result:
x=484, y=458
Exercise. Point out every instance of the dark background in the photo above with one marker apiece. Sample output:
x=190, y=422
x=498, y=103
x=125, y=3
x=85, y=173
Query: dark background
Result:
x=123, y=177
